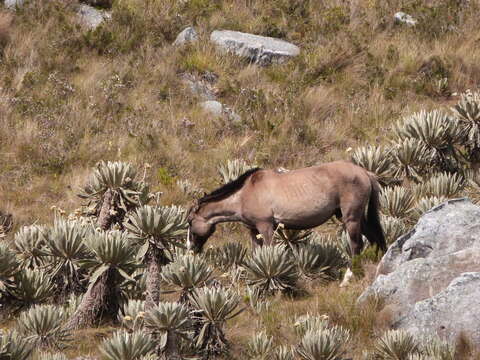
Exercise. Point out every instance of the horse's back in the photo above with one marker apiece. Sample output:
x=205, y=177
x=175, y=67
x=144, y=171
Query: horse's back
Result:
x=308, y=196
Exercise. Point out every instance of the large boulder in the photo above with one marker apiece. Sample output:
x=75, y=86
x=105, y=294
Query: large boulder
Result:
x=260, y=50
x=429, y=278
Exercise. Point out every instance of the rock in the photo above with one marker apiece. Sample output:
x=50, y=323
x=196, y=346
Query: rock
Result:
x=402, y=18
x=451, y=313
x=428, y=278
x=187, y=35
x=217, y=109
x=13, y=4
x=201, y=87
x=92, y=17
x=260, y=50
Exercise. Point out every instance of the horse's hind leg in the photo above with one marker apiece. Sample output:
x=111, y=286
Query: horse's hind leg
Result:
x=354, y=230
x=352, y=216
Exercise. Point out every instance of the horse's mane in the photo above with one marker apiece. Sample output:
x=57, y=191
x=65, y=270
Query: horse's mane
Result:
x=229, y=188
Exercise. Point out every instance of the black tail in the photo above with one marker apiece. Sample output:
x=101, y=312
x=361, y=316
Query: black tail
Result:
x=372, y=227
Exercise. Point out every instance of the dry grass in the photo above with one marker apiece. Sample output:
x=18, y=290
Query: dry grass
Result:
x=71, y=97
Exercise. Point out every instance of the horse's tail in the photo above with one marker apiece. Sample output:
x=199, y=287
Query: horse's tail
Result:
x=373, y=228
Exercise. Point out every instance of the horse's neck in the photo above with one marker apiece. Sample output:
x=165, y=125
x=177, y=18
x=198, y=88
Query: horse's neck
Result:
x=225, y=210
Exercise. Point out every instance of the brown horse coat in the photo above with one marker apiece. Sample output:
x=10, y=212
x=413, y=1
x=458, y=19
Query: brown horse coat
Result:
x=299, y=199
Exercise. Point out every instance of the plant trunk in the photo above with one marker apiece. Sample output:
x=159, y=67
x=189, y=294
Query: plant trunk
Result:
x=99, y=298
x=171, y=348
x=105, y=217
x=155, y=260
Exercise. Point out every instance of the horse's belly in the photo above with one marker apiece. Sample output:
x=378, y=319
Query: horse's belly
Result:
x=314, y=214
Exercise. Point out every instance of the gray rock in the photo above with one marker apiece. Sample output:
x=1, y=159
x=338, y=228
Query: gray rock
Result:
x=425, y=279
x=13, y=4
x=259, y=49
x=218, y=109
x=402, y=18
x=92, y=17
x=201, y=87
x=450, y=313
x=187, y=35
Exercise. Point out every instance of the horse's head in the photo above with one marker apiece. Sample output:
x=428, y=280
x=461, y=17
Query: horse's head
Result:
x=199, y=229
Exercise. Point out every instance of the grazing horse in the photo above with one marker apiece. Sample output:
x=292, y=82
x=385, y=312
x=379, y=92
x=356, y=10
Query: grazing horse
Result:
x=300, y=199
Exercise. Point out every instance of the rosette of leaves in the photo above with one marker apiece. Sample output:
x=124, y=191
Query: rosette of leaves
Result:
x=135, y=290
x=396, y=345
x=467, y=112
x=132, y=314
x=43, y=326
x=260, y=347
x=232, y=169
x=442, y=184
x=112, y=190
x=169, y=322
x=427, y=203
x=256, y=301
x=437, y=349
x=71, y=304
x=321, y=261
x=52, y=356
x=113, y=261
x=157, y=230
x=66, y=247
x=187, y=273
x=9, y=267
x=438, y=132
x=228, y=256
x=306, y=323
x=291, y=239
x=31, y=287
x=408, y=159
x=14, y=346
x=215, y=307
x=189, y=189
x=127, y=346
x=397, y=201
x=323, y=344
x=283, y=352
x=271, y=268
x=28, y=243
x=375, y=159
x=393, y=227
x=6, y=224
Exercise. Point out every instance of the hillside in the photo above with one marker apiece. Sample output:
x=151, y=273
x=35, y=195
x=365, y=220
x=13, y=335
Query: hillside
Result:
x=71, y=96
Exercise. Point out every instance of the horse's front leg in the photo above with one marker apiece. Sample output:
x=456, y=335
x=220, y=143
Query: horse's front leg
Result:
x=256, y=240
x=266, y=230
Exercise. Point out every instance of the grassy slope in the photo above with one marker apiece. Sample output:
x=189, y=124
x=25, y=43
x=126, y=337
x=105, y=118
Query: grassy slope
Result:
x=69, y=98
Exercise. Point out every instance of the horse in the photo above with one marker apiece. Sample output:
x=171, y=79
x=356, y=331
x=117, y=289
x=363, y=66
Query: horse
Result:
x=299, y=199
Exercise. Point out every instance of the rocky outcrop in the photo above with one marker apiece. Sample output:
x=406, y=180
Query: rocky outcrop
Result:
x=187, y=35
x=92, y=17
x=428, y=279
x=260, y=50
